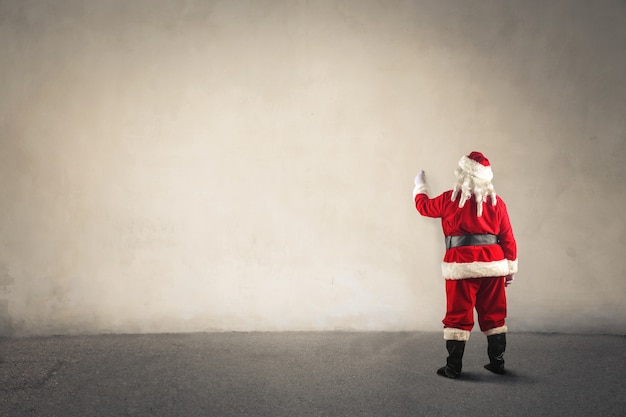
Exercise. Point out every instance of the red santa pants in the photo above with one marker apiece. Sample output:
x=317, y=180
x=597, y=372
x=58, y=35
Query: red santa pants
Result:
x=487, y=295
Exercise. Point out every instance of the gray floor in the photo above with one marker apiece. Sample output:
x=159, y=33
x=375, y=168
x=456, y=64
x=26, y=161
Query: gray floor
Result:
x=307, y=374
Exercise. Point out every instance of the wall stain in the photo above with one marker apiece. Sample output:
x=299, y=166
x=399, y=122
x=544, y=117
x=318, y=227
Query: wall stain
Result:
x=6, y=287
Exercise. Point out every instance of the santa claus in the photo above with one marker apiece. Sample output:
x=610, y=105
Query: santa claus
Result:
x=479, y=262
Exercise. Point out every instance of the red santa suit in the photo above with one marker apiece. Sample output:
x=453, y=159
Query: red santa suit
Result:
x=481, y=252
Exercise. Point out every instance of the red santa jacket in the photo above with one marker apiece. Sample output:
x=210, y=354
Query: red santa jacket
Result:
x=493, y=260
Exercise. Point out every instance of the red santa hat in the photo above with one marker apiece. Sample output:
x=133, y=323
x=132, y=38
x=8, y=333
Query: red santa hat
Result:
x=476, y=164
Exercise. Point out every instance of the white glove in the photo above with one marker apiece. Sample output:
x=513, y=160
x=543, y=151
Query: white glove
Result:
x=420, y=184
x=508, y=280
x=420, y=178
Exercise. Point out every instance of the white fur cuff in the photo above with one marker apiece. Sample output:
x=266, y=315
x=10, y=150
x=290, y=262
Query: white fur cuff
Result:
x=496, y=330
x=420, y=189
x=450, y=333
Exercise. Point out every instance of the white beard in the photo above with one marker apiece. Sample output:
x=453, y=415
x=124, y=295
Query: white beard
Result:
x=468, y=185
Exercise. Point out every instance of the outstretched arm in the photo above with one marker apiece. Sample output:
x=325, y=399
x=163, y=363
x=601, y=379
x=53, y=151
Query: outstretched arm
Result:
x=425, y=205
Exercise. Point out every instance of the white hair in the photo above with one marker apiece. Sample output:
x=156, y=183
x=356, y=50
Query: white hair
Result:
x=468, y=185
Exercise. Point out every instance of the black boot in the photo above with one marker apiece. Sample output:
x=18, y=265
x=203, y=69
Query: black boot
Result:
x=496, y=345
x=454, y=363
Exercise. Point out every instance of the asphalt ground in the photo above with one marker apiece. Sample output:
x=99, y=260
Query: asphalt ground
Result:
x=308, y=374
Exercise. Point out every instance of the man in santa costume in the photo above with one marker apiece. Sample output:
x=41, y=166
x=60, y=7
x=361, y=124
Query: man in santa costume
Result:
x=480, y=259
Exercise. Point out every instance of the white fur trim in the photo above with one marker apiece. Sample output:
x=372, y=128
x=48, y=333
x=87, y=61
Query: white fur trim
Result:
x=513, y=267
x=420, y=189
x=476, y=169
x=450, y=333
x=454, y=270
x=496, y=330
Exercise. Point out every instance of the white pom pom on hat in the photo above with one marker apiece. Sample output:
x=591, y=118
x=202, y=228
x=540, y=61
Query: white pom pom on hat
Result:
x=476, y=164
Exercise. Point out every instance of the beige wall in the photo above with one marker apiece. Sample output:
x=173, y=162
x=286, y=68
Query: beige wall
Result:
x=173, y=166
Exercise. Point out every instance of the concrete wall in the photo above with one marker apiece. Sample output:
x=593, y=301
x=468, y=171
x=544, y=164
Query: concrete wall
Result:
x=173, y=166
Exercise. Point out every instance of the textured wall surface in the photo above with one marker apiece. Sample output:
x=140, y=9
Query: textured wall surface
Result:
x=173, y=166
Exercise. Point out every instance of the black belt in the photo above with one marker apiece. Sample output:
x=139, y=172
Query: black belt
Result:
x=470, y=240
